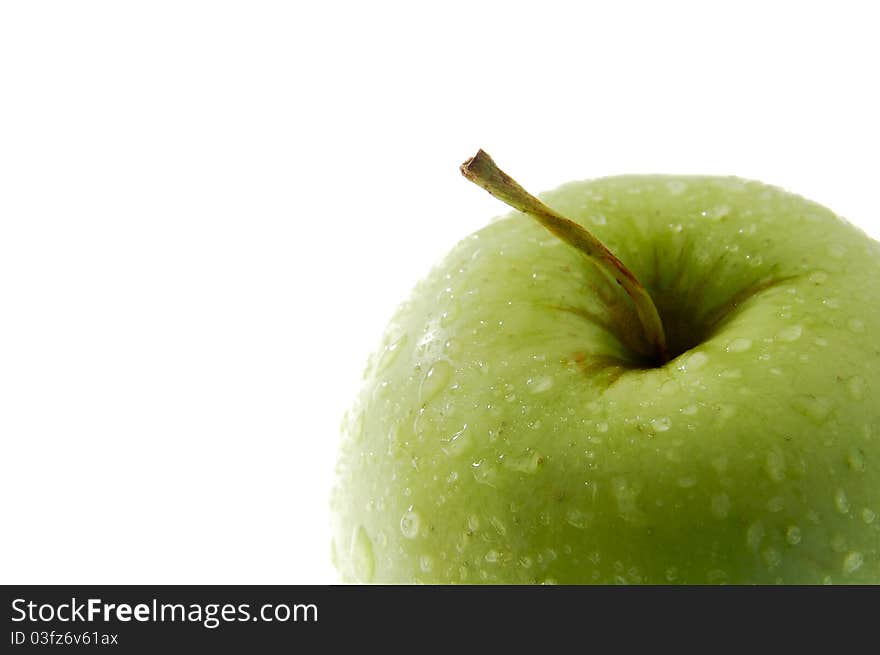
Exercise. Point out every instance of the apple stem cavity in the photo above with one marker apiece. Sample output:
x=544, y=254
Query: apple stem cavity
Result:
x=484, y=172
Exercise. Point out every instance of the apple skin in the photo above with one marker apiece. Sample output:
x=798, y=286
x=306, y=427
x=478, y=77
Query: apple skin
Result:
x=508, y=431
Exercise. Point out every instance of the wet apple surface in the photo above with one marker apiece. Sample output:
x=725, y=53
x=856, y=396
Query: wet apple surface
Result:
x=516, y=426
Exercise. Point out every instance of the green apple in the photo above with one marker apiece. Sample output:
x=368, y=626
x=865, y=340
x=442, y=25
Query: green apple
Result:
x=704, y=409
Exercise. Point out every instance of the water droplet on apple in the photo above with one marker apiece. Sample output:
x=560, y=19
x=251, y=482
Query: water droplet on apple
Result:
x=856, y=387
x=635, y=576
x=492, y=556
x=716, y=577
x=626, y=494
x=838, y=543
x=597, y=219
x=395, y=439
x=602, y=427
x=409, y=524
x=499, y=526
x=693, y=362
x=452, y=348
x=739, y=345
x=776, y=504
x=831, y=303
x=528, y=462
x=362, y=560
x=720, y=505
x=661, y=424
x=450, y=313
x=725, y=411
x=390, y=353
x=868, y=515
x=815, y=408
x=426, y=563
x=841, y=502
x=687, y=481
x=856, y=460
x=791, y=333
x=578, y=519
x=818, y=277
x=676, y=187
x=856, y=325
x=772, y=557
x=836, y=250
x=754, y=536
x=793, y=535
x=720, y=463
x=852, y=562
x=435, y=380
x=485, y=473
x=383, y=390
x=671, y=574
x=718, y=212
x=775, y=465
x=458, y=443
x=539, y=384
x=689, y=410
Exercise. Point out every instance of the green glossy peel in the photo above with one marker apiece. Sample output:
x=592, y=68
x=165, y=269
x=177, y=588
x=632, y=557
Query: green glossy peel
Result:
x=520, y=424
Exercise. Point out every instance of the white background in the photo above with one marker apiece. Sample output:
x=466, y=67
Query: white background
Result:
x=208, y=211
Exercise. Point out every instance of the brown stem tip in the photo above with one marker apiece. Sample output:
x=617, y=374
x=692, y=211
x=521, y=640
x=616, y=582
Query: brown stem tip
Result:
x=482, y=171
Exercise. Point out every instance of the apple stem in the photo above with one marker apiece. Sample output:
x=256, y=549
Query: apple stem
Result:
x=482, y=171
